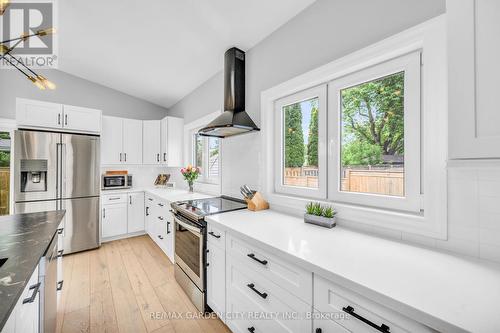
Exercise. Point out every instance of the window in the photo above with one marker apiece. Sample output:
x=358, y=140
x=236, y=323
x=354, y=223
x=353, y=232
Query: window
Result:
x=206, y=157
x=301, y=154
x=375, y=123
x=5, y=144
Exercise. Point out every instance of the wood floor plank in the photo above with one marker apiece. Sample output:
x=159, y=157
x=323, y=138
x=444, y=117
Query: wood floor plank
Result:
x=159, y=256
x=128, y=314
x=144, y=292
x=156, y=273
x=76, y=321
x=67, y=272
x=79, y=288
x=102, y=310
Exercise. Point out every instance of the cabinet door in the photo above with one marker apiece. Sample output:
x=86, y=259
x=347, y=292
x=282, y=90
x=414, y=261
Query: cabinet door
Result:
x=132, y=141
x=27, y=313
x=169, y=243
x=163, y=140
x=135, y=212
x=82, y=119
x=38, y=114
x=175, y=135
x=151, y=141
x=111, y=140
x=473, y=71
x=149, y=203
x=114, y=220
x=324, y=325
x=216, y=278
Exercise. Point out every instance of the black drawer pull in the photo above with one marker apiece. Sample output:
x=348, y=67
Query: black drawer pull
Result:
x=160, y=237
x=35, y=289
x=150, y=199
x=147, y=211
x=382, y=328
x=251, y=329
x=60, y=253
x=115, y=198
x=161, y=205
x=211, y=233
x=252, y=255
x=60, y=231
x=319, y=330
x=160, y=218
x=60, y=285
x=168, y=227
x=252, y=286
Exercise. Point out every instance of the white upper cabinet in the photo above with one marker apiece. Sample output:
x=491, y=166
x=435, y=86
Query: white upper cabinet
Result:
x=151, y=142
x=473, y=71
x=121, y=141
x=81, y=119
x=132, y=141
x=38, y=114
x=172, y=133
x=111, y=140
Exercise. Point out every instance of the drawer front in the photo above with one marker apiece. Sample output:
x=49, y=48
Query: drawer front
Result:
x=290, y=277
x=216, y=236
x=112, y=199
x=263, y=296
x=323, y=325
x=331, y=297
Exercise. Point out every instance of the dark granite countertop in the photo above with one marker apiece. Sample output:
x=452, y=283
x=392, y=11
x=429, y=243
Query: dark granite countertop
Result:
x=24, y=238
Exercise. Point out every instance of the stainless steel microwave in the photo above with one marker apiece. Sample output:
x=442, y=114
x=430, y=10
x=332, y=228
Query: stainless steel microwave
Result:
x=115, y=182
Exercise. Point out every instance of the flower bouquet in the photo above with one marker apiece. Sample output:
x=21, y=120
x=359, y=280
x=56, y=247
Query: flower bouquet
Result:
x=190, y=174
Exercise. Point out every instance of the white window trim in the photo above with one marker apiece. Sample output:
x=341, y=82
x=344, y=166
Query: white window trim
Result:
x=189, y=128
x=320, y=193
x=10, y=125
x=204, y=176
x=430, y=38
x=410, y=64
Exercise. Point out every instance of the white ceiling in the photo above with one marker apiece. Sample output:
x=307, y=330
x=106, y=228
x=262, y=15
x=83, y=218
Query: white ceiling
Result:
x=161, y=50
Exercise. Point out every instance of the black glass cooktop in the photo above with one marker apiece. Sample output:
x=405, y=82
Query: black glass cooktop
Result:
x=210, y=206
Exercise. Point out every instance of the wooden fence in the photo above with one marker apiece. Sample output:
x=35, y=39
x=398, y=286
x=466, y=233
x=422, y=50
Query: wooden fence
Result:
x=388, y=182
x=303, y=177
x=4, y=190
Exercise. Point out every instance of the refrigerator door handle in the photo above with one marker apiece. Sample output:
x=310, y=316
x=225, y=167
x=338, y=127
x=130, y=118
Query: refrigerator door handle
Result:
x=63, y=170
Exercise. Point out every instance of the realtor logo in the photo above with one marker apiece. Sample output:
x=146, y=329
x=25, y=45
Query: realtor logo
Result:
x=26, y=18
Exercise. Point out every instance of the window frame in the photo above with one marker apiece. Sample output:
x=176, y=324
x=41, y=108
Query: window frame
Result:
x=411, y=201
x=319, y=92
x=204, y=176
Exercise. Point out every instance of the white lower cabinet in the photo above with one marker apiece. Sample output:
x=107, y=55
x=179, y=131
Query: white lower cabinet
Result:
x=24, y=318
x=135, y=212
x=323, y=323
x=160, y=224
x=114, y=220
x=216, y=278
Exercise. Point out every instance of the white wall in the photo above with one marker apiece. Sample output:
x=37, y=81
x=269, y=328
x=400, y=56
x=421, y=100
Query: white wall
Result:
x=74, y=91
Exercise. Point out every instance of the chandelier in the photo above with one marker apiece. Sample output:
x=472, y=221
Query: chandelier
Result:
x=6, y=53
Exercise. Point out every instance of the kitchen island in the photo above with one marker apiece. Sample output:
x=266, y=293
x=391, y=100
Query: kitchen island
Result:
x=24, y=239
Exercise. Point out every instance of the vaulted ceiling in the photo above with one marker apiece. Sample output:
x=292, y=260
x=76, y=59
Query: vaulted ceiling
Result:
x=161, y=50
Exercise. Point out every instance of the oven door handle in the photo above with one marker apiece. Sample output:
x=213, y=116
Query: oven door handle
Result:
x=189, y=227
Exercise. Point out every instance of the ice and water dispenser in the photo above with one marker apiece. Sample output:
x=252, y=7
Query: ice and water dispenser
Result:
x=33, y=175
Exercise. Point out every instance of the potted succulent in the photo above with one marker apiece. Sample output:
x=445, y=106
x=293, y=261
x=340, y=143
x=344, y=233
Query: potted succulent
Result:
x=190, y=174
x=320, y=215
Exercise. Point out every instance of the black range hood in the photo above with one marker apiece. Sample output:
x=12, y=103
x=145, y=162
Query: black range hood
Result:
x=234, y=120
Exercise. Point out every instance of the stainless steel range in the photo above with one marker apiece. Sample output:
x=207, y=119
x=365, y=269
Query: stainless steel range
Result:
x=191, y=242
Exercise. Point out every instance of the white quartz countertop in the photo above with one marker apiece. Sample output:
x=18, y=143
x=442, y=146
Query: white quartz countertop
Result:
x=170, y=195
x=447, y=292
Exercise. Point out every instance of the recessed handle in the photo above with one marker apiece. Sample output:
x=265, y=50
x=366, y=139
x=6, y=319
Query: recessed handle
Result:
x=60, y=285
x=252, y=286
x=211, y=233
x=382, y=328
x=252, y=255
x=35, y=289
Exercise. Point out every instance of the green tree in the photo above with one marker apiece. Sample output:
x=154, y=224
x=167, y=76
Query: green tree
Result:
x=373, y=120
x=312, y=142
x=294, y=139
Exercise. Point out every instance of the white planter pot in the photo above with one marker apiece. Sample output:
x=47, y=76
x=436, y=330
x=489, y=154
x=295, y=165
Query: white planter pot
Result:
x=320, y=220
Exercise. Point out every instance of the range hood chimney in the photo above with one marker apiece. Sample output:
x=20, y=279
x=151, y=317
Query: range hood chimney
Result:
x=234, y=120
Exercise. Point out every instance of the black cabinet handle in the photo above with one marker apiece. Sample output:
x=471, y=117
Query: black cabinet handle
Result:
x=60, y=285
x=130, y=199
x=147, y=211
x=104, y=213
x=168, y=228
x=382, y=328
x=58, y=119
x=160, y=218
x=60, y=253
x=125, y=155
x=164, y=157
x=161, y=205
x=60, y=231
x=252, y=255
x=65, y=119
x=35, y=289
x=120, y=157
x=211, y=233
x=150, y=199
x=208, y=264
x=319, y=330
x=252, y=286
x=160, y=236
x=158, y=157
x=251, y=329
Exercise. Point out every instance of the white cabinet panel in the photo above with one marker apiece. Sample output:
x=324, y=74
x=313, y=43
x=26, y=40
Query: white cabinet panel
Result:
x=27, y=317
x=149, y=203
x=172, y=134
x=111, y=140
x=216, y=277
x=151, y=141
x=322, y=324
x=114, y=220
x=132, y=141
x=135, y=212
x=38, y=114
x=164, y=140
x=473, y=71
x=82, y=119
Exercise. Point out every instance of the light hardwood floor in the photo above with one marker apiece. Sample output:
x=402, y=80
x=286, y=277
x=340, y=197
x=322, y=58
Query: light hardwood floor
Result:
x=126, y=286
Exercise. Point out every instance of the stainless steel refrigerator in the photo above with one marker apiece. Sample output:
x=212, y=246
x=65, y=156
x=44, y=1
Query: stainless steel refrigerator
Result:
x=60, y=171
